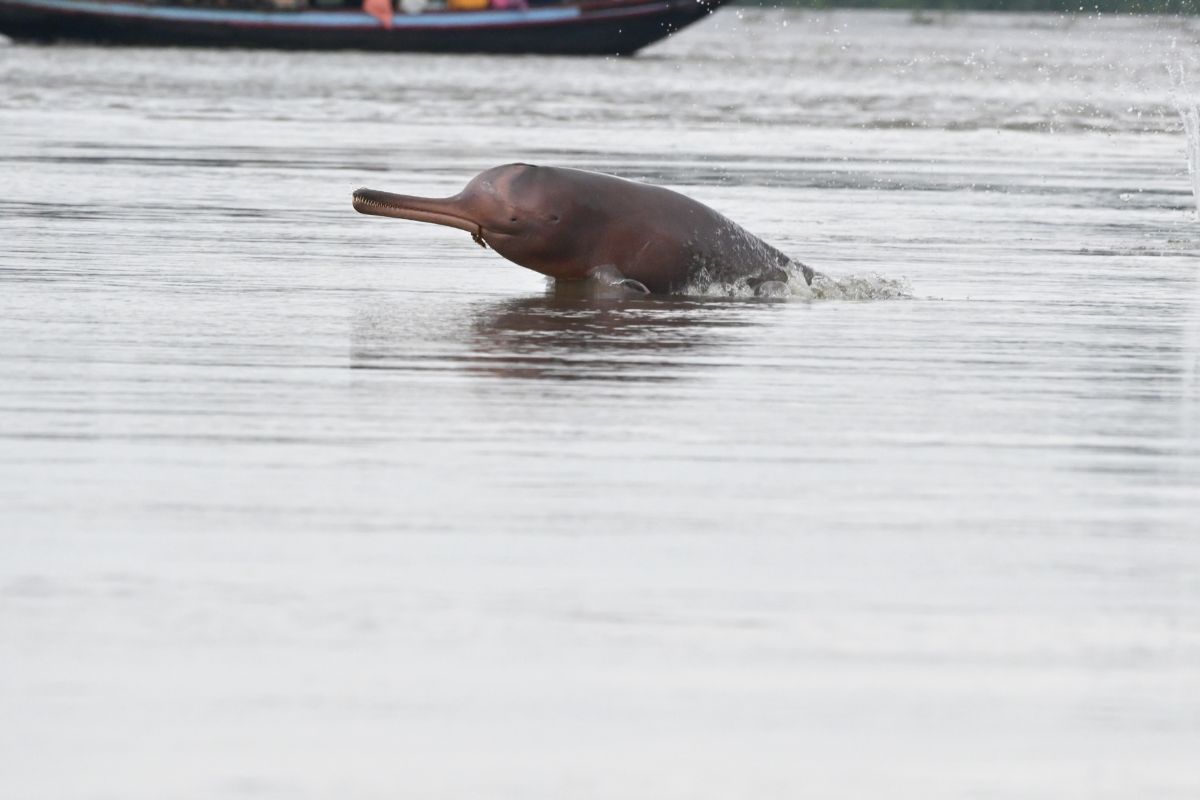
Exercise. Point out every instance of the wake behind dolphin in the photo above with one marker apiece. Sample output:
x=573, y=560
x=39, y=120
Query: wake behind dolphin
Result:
x=573, y=225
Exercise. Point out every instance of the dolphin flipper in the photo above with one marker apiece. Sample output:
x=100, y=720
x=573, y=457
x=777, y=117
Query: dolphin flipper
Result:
x=608, y=275
x=630, y=283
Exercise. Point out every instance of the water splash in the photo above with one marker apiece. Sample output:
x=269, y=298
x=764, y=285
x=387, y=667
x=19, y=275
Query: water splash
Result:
x=1187, y=103
x=1191, y=125
x=860, y=288
x=1186, y=97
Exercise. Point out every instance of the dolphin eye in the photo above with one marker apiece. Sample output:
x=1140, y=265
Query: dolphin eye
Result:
x=514, y=219
x=554, y=217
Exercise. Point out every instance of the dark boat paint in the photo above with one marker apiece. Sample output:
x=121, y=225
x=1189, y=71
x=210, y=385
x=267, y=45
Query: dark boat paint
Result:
x=606, y=27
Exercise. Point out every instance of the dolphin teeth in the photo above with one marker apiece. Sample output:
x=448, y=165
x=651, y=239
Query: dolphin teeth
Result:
x=366, y=201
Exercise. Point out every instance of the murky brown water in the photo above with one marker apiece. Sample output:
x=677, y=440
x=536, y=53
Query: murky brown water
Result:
x=301, y=503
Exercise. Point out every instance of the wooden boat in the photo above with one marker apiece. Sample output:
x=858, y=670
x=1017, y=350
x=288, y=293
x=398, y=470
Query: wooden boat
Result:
x=591, y=27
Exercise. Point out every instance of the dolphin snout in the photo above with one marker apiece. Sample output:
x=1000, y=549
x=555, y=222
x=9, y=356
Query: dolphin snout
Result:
x=365, y=200
x=440, y=211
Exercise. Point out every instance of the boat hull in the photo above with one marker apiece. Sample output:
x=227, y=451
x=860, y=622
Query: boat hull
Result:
x=604, y=28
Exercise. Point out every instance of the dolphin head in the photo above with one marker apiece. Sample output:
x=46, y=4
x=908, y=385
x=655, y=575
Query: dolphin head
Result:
x=525, y=213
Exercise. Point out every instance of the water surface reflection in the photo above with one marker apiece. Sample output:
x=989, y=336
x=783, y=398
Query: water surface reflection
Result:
x=562, y=335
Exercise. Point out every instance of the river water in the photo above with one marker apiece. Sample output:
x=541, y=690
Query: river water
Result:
x=299, y=503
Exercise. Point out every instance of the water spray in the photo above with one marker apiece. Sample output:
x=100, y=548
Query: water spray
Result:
x=1187, y=103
